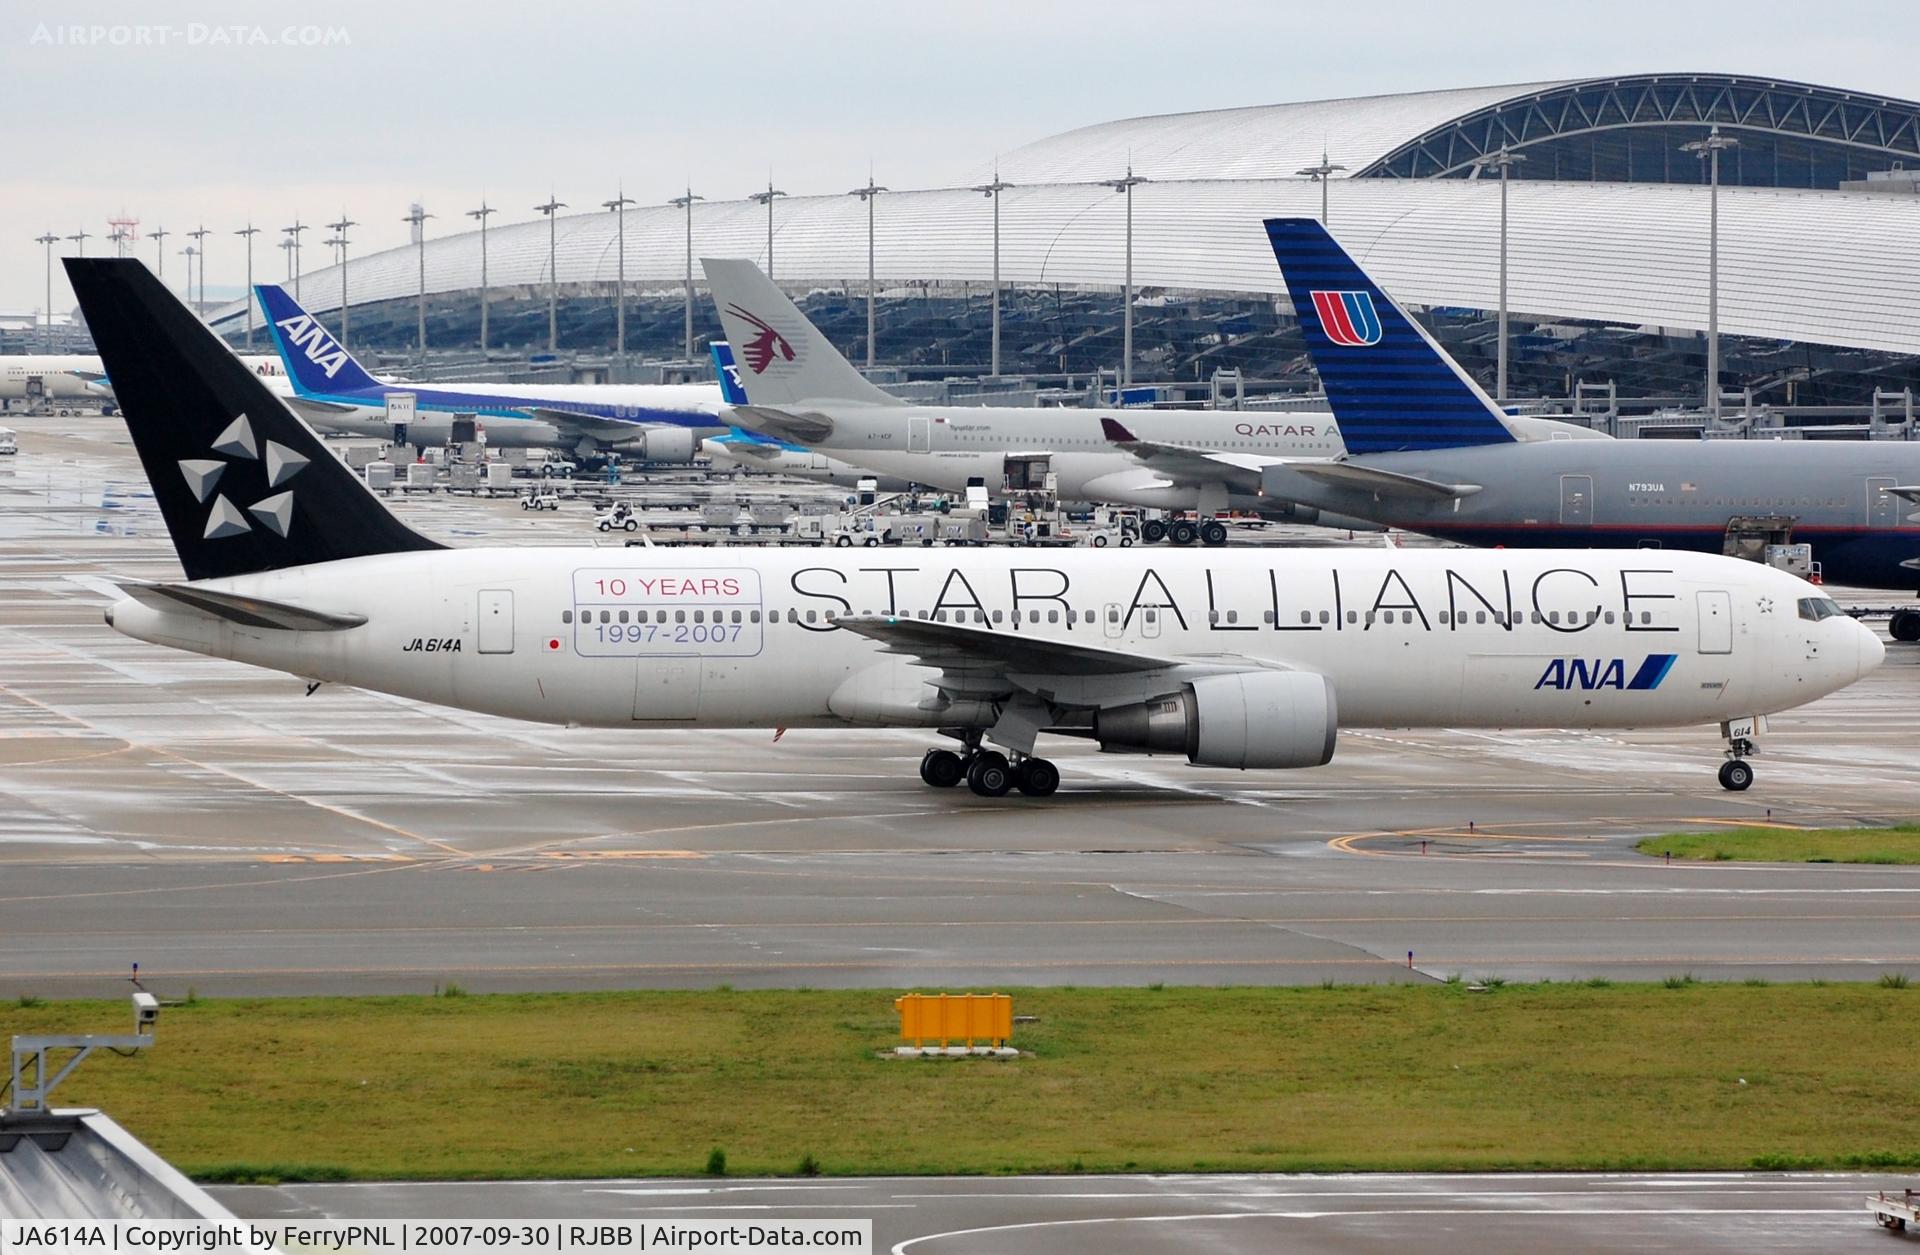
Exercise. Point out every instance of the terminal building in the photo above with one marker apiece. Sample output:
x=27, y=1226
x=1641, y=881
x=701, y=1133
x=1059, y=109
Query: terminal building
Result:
x=1606, y=243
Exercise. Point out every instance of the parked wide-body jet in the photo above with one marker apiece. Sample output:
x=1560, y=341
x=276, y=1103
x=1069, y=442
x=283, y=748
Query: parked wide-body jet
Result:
x=657, y=422
x=1428, y=451
x=1252, y=659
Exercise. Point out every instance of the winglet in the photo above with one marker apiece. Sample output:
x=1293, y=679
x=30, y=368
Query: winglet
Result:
x=1390, y=386
x=1116, y=431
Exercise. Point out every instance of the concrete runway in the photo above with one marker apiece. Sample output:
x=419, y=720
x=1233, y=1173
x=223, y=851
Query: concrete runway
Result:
x=228, y=833
x=1123, y=1215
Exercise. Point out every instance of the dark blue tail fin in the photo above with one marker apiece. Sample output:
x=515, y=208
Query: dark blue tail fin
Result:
x=315, y=361
x=727, y=373
x=1390, y=386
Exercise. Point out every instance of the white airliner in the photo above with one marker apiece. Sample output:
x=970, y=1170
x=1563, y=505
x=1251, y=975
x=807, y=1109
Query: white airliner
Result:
x=79, y=376
x=799, y=388
x=1246, y=659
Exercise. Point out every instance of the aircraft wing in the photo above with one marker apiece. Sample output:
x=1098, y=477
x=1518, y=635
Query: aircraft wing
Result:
x=807, y=429
x=1381, y=483
x=1189, y=463
x=236, y=608
x=308, y=407
x=1906, y=492
x=996, y=664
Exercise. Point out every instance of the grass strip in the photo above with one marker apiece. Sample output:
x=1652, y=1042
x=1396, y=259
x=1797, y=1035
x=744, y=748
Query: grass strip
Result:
x=1900, y=844
x=1676, y=1075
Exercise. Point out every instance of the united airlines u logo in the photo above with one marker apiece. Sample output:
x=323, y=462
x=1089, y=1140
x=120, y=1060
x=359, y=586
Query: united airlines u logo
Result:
x=1348, y=318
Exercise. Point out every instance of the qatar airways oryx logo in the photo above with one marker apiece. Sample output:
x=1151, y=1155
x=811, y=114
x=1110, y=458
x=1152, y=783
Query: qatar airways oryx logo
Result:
x=304, y=332
x=238, y=446
x=1348, y=318
x=760, y=349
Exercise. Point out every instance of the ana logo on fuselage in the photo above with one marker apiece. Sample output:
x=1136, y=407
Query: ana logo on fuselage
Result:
x=1604, y=673
x=306, y=333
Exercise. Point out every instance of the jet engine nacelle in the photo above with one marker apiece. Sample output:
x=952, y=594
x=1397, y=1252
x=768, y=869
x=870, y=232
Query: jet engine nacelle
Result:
x=668, y=444
x=1242, y=719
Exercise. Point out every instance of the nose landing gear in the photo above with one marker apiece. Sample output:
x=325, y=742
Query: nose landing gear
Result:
x=1736, y=775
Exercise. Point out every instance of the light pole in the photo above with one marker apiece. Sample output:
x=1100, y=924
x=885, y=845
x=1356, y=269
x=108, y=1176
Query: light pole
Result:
x=1502, y=161
x=766, y=198
x=189, y=252
x=340, y=238
x=199, y=238
x=1709, y=150
x=1125, y=187
x=418, y=218
x=992, y=192
x=159, y=237
x=480, y=214
x=80, y=238
x=49, y=239
x=619, y=205
x=553, y=274
x=867, y=195
x=249, y=231
x=686, y=203
x=293, y=255
x=1321, y=174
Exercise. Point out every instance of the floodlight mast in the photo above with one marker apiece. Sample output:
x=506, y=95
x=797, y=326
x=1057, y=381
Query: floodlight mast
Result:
x=686, y=202
x=339, y=239
x=618, y=205
x=1320, y=174
x=481, y=215
x=1709, y=150
x=249, y=231
x=766, y=198
x=49, y=239
x=1125, y=187
x=992, y=192
x=867, y=195
x=550, y=208
x=1502, y=160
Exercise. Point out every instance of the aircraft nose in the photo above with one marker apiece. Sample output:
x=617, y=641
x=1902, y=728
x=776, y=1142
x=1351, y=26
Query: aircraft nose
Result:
x=1872, y=650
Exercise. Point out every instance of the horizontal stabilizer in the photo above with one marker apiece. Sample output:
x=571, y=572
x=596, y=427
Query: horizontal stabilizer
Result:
x=255, y=612
x=800, y=428
x=1384, y=483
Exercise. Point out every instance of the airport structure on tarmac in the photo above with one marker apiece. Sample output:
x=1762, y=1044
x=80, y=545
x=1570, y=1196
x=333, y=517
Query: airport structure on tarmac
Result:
x=1607, y=244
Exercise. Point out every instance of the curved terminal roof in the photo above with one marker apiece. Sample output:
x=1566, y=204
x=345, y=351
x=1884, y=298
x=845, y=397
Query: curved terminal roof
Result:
x=1262, y=142
x=1819, y=266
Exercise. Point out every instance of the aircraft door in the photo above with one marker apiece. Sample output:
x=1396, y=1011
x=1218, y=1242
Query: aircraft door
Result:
x=668, y=688
x=919, y=434
x=1150, y=621
x=1883, y=508
x=1576, y=500
x=1112, y=620
x=1716, y=621
x=496, y=621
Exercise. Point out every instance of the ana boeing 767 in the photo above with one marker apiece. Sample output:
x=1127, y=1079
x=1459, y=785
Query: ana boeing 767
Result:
x=1250, y=659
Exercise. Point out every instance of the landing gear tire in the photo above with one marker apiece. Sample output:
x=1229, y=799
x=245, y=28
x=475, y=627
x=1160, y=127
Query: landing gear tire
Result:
x=1213, y=533
x=1036, y=777
x=1904, y=626
x=1182, y=532
x=989, y=775
x=1736, y=776
x=1153, y=531
x=942, y=768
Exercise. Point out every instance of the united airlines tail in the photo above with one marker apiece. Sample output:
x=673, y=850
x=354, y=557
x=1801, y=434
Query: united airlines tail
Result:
x=788, y=362
x=1390, y=386
x=315, y=361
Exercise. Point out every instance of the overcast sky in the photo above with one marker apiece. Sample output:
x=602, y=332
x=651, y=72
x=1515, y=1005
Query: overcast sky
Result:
x=204, y=111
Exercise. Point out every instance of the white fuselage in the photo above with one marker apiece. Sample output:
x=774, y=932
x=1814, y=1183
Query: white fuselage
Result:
x=79, y=376
x=948, y=447
x=797, y=464
x=746, y=638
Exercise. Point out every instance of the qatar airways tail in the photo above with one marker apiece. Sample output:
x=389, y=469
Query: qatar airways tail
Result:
x=1250, y=659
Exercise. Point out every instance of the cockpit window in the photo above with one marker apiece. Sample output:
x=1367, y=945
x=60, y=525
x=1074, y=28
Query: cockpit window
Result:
x=1817, y=608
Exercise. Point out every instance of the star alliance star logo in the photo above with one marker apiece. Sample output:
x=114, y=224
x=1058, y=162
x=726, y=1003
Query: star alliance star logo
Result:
x=275, y=512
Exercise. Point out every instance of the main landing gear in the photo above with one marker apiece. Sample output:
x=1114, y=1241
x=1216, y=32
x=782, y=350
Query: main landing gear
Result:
x=989, y=773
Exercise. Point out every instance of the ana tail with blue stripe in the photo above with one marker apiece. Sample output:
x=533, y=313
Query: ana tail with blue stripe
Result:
x=1390, y=386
